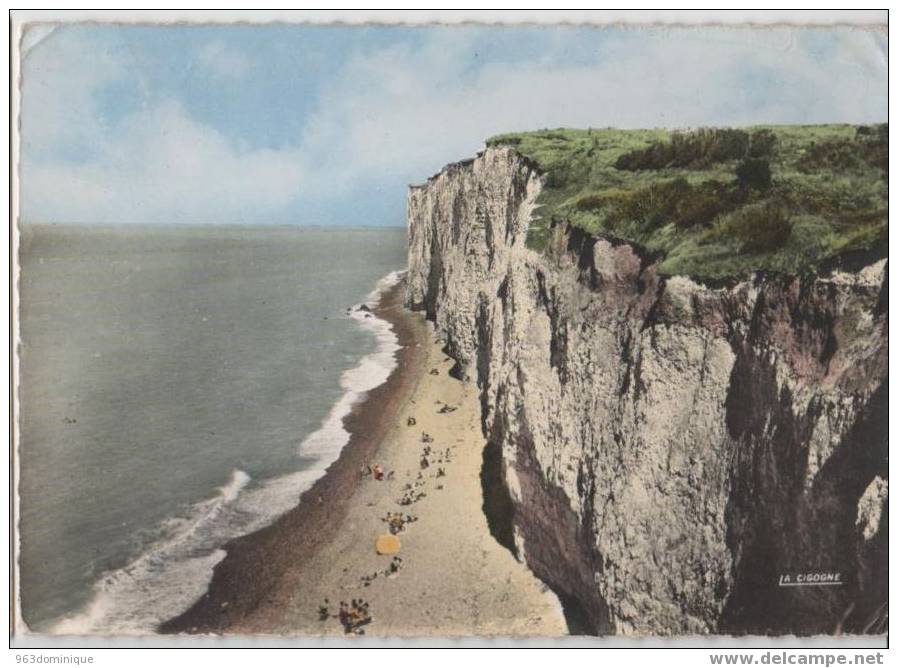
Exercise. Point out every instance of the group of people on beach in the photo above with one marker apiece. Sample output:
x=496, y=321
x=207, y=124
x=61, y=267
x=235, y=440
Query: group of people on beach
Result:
x=352, y=616
x=396, y=521
x=428, y=456
x=411, y=494
x=390, y=571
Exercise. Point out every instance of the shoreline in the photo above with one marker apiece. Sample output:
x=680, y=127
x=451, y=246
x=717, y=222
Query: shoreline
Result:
x=255, y=563
x=453, y=575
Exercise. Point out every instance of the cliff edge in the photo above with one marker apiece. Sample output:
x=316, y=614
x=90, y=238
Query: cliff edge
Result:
x=671, y=450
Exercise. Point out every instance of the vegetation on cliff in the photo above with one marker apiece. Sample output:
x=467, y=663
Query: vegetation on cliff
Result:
x=717, y=202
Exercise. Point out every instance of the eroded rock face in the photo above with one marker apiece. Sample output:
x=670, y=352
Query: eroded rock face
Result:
x=670, y=449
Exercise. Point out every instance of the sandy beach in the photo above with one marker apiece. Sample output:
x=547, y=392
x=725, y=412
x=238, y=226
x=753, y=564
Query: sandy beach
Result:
x=454, y=577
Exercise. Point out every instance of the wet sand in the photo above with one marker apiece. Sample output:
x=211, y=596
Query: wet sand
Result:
x=455, y=579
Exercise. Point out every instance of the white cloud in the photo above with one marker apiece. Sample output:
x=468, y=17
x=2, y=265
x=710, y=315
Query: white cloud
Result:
x=157, y=164
x=397, y=114
x=412, y=114
x=59, y=109
x=223, y=63
x=162, y=166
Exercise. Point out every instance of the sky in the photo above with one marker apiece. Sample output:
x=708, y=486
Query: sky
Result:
x=327, y=125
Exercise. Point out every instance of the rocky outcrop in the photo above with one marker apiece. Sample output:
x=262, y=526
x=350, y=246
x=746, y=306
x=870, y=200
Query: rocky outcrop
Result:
x=670, y=448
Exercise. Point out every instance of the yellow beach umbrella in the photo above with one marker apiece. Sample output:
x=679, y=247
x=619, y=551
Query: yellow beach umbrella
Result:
x=387, y=544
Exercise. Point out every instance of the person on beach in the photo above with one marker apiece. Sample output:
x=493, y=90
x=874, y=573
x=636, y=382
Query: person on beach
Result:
x=376, y=471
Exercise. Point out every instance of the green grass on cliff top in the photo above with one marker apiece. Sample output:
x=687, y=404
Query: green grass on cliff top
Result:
x=717, y=203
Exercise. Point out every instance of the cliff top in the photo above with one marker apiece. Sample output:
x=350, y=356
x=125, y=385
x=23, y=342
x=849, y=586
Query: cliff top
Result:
x=717, y=202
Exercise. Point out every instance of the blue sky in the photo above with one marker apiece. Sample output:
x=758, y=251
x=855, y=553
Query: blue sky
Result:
x=327, y=125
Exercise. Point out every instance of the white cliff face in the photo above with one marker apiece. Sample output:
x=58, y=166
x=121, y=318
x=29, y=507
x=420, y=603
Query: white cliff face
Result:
x=669, y=449
x=870, y=507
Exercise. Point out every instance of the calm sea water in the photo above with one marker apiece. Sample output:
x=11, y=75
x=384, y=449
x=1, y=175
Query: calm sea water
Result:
x=179, y=386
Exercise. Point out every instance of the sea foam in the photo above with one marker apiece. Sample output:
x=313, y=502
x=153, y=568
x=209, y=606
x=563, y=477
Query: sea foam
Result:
x=372, y=370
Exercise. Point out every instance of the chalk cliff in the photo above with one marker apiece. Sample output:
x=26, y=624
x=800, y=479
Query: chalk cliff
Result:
x=668, y=449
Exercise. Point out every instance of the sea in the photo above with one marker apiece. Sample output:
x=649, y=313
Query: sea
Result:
x=179, y=386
